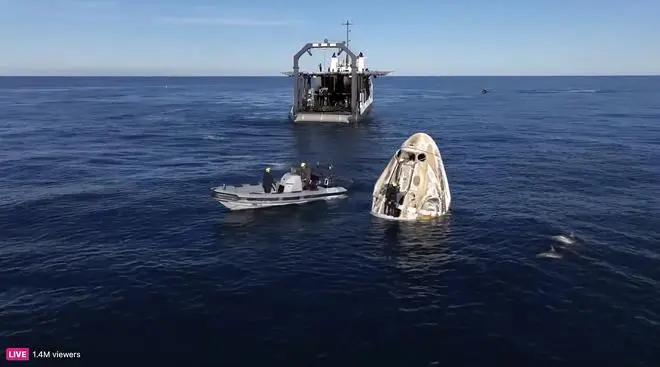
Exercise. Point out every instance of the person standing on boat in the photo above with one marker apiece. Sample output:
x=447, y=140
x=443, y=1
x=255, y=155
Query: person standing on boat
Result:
x=305, y=174
x=267, y=180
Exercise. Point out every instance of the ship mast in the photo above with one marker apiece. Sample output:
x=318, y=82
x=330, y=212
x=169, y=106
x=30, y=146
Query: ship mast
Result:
x=348, y=24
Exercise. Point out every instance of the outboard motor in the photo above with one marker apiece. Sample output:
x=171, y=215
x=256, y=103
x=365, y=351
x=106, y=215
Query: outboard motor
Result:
x=325, y=176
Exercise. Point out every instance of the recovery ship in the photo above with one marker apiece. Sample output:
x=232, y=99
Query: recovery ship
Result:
x=342, y=93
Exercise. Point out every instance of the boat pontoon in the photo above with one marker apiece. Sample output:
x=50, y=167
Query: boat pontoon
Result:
x=289, y=190
x=414, y=184
x=344, y=92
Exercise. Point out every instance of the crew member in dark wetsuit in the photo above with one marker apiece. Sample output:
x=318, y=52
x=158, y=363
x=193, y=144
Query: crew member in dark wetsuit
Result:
x=267, y=180
x=305, y=175
x=390, y=199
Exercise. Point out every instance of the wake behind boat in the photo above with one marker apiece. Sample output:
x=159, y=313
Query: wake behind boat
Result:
x=295, y=187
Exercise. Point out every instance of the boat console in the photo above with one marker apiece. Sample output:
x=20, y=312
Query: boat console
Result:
x=289, y=183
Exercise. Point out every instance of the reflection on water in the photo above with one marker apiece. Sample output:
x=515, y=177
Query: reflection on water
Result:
x=419, y=254
x=415, y=245
x=282, y=217
x=332, y=142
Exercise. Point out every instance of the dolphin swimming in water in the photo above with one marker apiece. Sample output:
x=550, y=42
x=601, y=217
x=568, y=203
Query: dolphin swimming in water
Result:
x=566, y=240
x=551, y=254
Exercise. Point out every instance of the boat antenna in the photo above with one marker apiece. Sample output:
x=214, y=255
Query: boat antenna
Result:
x=348, y=24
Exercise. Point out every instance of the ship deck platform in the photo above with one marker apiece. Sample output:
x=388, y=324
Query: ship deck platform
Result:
x=331, y=117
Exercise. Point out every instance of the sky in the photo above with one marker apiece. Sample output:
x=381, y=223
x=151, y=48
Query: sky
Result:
x=259, y=37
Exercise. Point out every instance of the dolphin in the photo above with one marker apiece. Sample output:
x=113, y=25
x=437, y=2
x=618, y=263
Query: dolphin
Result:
x=551, y=254
x=566, y=240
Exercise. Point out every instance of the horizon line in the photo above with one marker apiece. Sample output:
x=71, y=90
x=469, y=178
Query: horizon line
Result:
x=284, y=76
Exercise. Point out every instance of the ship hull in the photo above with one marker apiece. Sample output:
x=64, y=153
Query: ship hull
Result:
x=246, y=197
x=330, y=117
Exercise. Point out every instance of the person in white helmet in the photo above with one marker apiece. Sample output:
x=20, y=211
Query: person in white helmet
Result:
x=305, y=175
x=267, y=180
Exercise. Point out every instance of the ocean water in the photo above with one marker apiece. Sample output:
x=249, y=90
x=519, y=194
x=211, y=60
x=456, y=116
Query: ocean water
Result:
x=111, y=245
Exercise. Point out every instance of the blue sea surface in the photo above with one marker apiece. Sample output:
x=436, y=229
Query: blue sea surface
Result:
x=111, y=245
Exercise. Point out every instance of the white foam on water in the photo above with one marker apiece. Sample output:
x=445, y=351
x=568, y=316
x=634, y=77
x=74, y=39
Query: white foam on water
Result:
x=214, y=137
x=582, y=91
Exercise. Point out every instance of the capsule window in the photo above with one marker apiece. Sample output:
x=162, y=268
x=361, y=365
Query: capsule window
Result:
x=421, y=157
